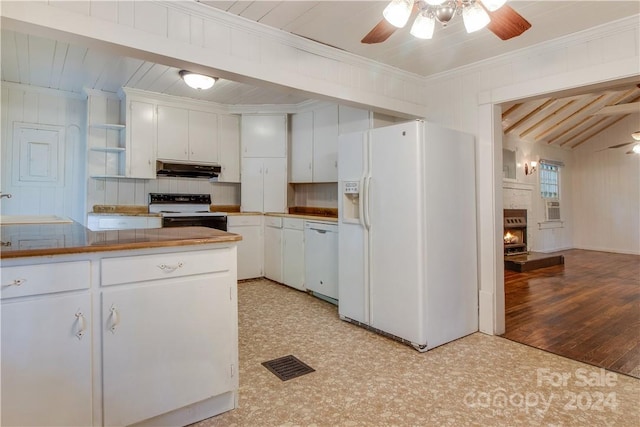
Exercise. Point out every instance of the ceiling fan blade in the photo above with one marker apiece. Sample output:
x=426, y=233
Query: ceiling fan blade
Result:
x=506, y=23
x=379, y=33
x=621, y=145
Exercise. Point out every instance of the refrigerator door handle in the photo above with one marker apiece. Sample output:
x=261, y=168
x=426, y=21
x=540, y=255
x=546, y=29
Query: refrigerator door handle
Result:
x=367, y=189
x=361, y=204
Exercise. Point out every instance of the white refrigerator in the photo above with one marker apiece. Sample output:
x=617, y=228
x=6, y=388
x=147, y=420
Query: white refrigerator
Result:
x=407, y=233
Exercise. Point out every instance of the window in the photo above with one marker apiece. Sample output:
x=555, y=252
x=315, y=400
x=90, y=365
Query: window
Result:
x=549, y=181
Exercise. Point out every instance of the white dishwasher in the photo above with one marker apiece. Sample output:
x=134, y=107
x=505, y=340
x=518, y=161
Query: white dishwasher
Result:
x=321, y=259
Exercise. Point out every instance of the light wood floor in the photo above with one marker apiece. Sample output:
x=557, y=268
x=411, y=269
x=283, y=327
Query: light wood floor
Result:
x=587, y=309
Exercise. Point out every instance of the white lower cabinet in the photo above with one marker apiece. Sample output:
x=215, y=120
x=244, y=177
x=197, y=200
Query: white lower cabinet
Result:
x=167, y=342
x=118, y=338
x=46, y=366
x=46, y=345
x=293, y=253
x=251, y=247
x=273, y=248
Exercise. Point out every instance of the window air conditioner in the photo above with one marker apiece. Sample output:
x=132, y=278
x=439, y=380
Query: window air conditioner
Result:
x=553, y=211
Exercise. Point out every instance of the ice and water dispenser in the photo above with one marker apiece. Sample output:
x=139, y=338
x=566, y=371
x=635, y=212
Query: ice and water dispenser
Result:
x=351, y=201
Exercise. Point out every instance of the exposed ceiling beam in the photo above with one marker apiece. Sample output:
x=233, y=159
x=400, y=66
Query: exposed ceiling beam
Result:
x=600, y=130
x=557, y=125
x=531, y=114
x=611, y=110
x=547, y=118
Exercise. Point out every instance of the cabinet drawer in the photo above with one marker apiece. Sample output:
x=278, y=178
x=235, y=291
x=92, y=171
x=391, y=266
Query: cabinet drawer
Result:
x=240, y=220
x=293, y=223
x=273, y=221
x=38, y=279
x=116, y=271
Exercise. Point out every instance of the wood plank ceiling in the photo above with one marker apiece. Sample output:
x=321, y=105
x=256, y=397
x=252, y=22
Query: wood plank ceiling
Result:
x=569, y=122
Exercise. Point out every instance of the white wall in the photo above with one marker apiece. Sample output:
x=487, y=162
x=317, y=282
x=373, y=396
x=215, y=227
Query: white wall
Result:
x=542, y=236
x=25, y=104
x=607, y=191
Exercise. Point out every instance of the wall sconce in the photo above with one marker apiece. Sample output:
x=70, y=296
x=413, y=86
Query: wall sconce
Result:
x=529, y=170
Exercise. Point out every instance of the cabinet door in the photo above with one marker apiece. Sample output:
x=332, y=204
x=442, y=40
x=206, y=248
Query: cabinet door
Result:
x=173, y=133
x=293, y=258
x=229, y=147
x=273, y=253
x=203, y=136
x=325, y=144
x=302, y=147
x=264, y=135
x=141, y=145
x=150, y=364
x=352, y=119
x=46, y=368
x=250, y=251
x=251, y=191
x=275, y=185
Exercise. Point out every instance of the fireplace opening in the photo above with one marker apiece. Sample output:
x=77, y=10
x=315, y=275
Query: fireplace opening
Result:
x=515, y=231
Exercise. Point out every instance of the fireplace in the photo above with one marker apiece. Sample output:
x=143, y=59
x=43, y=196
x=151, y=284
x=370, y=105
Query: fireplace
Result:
x=515, y=231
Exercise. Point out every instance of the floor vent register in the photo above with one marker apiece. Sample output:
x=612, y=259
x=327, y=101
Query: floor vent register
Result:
x=287, y=367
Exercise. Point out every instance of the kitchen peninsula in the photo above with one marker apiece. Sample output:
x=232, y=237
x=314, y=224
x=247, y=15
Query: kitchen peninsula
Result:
x=117, y=327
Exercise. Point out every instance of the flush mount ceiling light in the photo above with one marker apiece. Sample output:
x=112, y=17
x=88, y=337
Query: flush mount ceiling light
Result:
x=476, y=14
x=197, y=81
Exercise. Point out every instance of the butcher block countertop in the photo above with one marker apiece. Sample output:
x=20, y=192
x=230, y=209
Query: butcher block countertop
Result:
x=72, y=238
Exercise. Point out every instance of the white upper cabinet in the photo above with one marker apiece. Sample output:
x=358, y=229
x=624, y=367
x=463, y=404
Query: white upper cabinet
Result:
x=325, y=144
x=173, y=133
x=203, y=136
x=141, y=140
x=229, y=147
x=264, y=135
x=187, y=135
x=314, y=141
x=302, y=147
x=264, y=185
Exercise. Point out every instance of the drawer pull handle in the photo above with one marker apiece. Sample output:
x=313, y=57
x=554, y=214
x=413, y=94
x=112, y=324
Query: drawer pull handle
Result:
x=82, y=325
x=115, y=320
x=17, y=282
x=170, y=268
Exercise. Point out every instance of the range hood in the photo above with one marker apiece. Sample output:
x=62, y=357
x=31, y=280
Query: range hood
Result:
x=184, y=170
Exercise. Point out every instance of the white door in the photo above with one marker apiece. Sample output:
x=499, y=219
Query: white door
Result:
x=46, y=368
x=293, y=258
x=302, y=147
x=251, y=191
x=173, y=133
x=229, y=147
x=275, y=185
x=325, y=144
x=273, y=253
x=396, y=249
x=141, y=145
x=203, y=136
x=170, y=346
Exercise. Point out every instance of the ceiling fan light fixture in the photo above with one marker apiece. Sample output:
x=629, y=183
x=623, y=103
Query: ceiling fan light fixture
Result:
x=197, y=81
x=636, y=149
x=475, y=17
x=445, y=12
x=423, y=26
x=636, y=135
x=434, y=2
x=397, y=12
x=493, y=5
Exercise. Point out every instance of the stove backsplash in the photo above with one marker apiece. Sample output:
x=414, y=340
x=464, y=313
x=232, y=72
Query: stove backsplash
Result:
x=136, y=191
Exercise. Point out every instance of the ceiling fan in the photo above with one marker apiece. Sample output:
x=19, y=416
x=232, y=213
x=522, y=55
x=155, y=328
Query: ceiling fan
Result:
x=501, y=19
x=634, y=150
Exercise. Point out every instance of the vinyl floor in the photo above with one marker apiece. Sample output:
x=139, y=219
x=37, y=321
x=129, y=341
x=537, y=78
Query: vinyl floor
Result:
x=364, y=379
